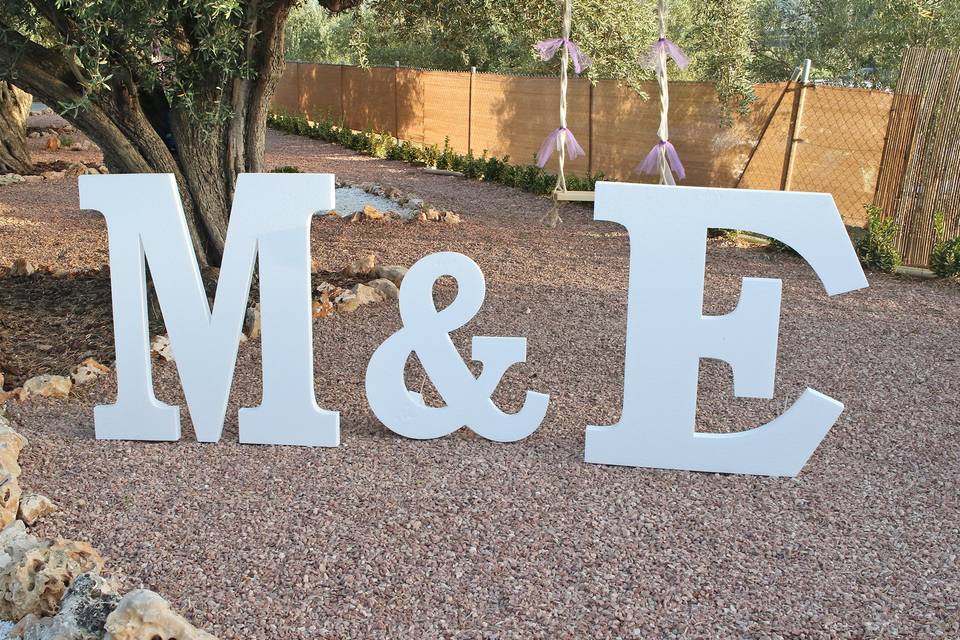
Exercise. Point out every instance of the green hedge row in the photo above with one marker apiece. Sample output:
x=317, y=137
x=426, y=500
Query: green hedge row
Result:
x=382, y=145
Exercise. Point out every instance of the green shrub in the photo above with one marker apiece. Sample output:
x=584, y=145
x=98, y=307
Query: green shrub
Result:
x=285, y=169
x=382, y=145
x=945, y=257
x=876, y=246
x=781, y=247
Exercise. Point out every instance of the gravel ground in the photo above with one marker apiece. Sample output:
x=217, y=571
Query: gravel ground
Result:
x=461, y=537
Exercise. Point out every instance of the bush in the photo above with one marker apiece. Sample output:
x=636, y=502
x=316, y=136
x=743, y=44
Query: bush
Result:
x=877, y=245
x=945, y=257
x=382, y=145
x=285, y=169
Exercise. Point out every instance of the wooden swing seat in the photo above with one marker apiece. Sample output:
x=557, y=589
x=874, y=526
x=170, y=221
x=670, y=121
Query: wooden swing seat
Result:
x=573, y=196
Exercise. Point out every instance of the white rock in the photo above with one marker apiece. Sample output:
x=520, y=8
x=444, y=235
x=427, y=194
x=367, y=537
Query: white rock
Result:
x=34, y=506
x=161, y=346
x=47, y=386
x=88, y=371
x=394, y=273
x=251, y=323
x=385, y=287
x=366, y=295
x=144, y=615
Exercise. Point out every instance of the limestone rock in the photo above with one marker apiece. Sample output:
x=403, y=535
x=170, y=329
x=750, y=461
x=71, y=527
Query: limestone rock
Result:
x=88, y=371
x=10, y=395
x=362, y=266
x=365, y=294
x=144, y=615
x=53, y=143
x=321, y=308
x=394, y=273
x=29, y=627
x=32, y=179
x=415, y=203
x=432, y=214
x=21, y=267
x=385, y=287
x=161, y=346
x=327, y=288
x=346, y=302
x=34, y=506
x=370, y=212
x=251, y=324
x=450, y=217
x=314, y=265
x=11, y=443
x=10, y=178
x=47, y=386
x=34, y=573
x=82, y=616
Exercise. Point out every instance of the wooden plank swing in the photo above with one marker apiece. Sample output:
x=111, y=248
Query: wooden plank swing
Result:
x=662, y=160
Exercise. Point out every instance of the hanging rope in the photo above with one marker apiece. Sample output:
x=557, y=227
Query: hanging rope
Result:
x=562, y=139
x=663, y=158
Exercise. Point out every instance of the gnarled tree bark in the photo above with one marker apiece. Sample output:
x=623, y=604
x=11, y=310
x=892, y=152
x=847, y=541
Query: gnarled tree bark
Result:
x=133, y=127
x=14, y=109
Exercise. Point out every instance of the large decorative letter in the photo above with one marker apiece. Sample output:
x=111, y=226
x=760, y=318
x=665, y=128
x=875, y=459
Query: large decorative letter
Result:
x=667, y=333
x=270, y=219
x=425, y=331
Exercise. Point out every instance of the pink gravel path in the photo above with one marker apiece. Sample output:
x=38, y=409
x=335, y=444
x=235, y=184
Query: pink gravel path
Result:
x=465, y=538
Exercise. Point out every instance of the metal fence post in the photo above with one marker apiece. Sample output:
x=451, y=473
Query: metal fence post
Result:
x=396, y=99
x=473, y=72
x=299, y=107
x=343, y=109
x=795, y=124
x=590, y=132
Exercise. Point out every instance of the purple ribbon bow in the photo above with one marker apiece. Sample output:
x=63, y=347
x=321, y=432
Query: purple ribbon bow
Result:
x=673, y=51
x=552, y=143
x=549, y=48
x=650, y=165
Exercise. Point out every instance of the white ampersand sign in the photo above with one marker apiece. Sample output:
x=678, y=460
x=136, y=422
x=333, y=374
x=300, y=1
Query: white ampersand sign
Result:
x=467, y=399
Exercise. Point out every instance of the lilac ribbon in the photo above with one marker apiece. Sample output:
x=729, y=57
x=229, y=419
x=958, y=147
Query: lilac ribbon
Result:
x=673, y=51
x=549, y=48
x=650, y=163
x=552, y=143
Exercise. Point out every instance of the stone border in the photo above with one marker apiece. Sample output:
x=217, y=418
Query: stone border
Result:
x=424, y=212
x=53, y=588
x=382, y=283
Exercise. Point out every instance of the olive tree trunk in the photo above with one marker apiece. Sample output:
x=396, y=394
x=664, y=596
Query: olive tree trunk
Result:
x=133, y=127
x=14, y=109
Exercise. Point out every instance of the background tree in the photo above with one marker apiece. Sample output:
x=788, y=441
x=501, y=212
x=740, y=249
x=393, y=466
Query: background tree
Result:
x=498, y=36
x=14, y=109
x=175, y=86
x=849, y=41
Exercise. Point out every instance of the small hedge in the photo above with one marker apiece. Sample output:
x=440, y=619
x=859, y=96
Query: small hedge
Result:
x=945, y=257
x=877, y=246
x=382, y=145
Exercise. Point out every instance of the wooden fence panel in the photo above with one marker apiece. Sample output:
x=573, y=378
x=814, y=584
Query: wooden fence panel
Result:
x=839, y=151
x=369, y=99
x=286, y=95
x=512, y=116
x=320, y=91
x=446, y=108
